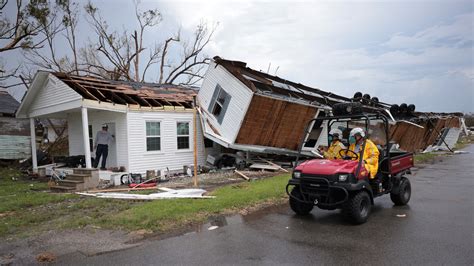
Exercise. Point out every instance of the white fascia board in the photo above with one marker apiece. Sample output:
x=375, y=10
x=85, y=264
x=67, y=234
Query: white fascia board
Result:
x=73, y=104
x=92, y=104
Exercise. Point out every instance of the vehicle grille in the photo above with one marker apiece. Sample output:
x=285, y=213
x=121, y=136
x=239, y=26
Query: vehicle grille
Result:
x=315, y=186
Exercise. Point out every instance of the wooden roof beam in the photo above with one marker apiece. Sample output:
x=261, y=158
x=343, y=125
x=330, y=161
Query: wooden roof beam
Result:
x=128, y=98
x=81, y=89
x=155, y=102
x=118, y=98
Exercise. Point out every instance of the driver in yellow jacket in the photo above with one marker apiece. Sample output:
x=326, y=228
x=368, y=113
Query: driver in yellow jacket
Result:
x=370, y=153
x=333, y=151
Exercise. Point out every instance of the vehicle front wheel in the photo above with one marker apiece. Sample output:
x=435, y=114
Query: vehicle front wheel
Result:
x=299, y=207
x=402, y=197
x=357, y=209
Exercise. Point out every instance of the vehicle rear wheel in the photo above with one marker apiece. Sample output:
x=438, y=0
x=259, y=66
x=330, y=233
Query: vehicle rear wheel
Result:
x=402, y=197
x=299, y=207
x=357, y=209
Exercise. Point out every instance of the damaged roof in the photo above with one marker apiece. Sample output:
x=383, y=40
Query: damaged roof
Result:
x=264, y=83
x=129, y=93
x=8, y=104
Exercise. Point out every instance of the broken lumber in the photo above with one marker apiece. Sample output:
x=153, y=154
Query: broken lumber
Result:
x=146, y=181
x=274, y=164
x=264, y=167
x=242, y=175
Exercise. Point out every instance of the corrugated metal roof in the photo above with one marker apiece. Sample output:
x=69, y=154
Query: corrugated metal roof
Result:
x=8, y=104
x=267, y=84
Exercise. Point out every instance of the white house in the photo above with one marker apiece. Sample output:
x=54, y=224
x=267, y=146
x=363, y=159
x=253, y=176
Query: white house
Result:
x=153, y=124
x=249, y=110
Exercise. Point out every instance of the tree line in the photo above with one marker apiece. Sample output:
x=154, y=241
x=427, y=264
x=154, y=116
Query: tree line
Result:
x=39, y=27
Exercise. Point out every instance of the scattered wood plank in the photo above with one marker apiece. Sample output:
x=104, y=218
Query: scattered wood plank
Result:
x=264, y=167
x=274, y=164
x=242, y=175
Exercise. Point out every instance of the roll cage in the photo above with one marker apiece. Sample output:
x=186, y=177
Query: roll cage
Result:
x=350, y=118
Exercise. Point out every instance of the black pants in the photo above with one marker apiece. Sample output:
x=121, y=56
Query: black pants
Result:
x=102, y=150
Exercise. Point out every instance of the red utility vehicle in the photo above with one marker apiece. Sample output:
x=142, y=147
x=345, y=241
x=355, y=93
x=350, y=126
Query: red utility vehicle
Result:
x=344, y=184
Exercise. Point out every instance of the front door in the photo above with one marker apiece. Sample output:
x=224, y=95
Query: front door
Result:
x=112, y=156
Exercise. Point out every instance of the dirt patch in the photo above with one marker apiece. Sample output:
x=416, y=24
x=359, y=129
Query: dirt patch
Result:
x=46, y=257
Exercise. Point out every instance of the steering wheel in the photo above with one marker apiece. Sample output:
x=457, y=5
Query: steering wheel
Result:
x=351, y=156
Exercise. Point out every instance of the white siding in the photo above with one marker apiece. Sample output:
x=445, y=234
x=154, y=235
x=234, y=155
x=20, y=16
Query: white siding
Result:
x=118, y=152
x=52, y=93
x=140, y=160
x=239, y=103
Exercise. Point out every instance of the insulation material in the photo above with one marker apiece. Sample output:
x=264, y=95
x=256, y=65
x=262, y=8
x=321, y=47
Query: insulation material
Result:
x=168, y=194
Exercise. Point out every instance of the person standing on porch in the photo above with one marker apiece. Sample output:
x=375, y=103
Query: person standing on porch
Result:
x=102, y=141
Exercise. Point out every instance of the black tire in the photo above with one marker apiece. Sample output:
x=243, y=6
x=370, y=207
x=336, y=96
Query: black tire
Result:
x=298, y=207
x=402, y=197
x=357, y=209
x=124, y=179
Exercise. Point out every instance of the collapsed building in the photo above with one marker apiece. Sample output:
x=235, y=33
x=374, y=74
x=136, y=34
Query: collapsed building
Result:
x=249, y=110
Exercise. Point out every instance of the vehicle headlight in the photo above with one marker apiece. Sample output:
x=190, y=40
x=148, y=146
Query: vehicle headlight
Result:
x=296, y=174
x=343, y=177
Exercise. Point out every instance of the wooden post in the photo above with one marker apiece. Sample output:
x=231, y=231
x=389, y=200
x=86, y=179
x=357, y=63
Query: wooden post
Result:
x=85, y=137
x=195, y=178
x=33, y=145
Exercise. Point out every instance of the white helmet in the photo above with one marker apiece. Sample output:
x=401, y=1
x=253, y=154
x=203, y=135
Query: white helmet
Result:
x=356, y=131
x=336, y=132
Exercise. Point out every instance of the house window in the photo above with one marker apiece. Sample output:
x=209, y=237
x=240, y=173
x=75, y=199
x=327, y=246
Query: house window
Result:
x=182, y=129
x=153, y=136
x=91, y=139
x=219, y=103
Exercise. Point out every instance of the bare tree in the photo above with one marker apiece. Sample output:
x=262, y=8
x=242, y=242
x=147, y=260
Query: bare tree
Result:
x=192, y=63
x=57, y=29
x=117, y=51
x=119, y=55
x=18, y=32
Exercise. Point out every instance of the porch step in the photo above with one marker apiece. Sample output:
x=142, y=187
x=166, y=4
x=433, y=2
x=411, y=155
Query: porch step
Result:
x=78, y=177
x=62, y=189
x=70, y=183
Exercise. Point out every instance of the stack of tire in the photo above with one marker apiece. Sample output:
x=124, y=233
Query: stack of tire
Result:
x=365, y=99
x=402, y=109
x=396, y=110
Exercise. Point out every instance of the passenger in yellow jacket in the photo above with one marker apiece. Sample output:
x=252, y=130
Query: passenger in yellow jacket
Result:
x=335, y=146
x=370, y=153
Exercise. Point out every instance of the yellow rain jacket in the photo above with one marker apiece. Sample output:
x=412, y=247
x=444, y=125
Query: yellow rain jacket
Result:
x=333, y=150
x=371, y=157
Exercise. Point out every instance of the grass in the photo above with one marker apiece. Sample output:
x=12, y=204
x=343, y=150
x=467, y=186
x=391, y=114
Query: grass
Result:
x=424, y=157
x=28, y=208
x=17, y=194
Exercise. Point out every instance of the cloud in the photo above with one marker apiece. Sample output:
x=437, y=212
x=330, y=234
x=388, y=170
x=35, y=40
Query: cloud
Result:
x=416, y=52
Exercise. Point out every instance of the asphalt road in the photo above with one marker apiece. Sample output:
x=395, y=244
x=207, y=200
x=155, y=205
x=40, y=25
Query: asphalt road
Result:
x=437, y=230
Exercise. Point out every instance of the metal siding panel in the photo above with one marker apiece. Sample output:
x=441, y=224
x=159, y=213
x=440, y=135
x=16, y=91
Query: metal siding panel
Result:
x=14, y=147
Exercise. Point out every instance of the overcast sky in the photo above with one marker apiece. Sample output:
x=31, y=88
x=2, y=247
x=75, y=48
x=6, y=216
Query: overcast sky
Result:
x=417, y=52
